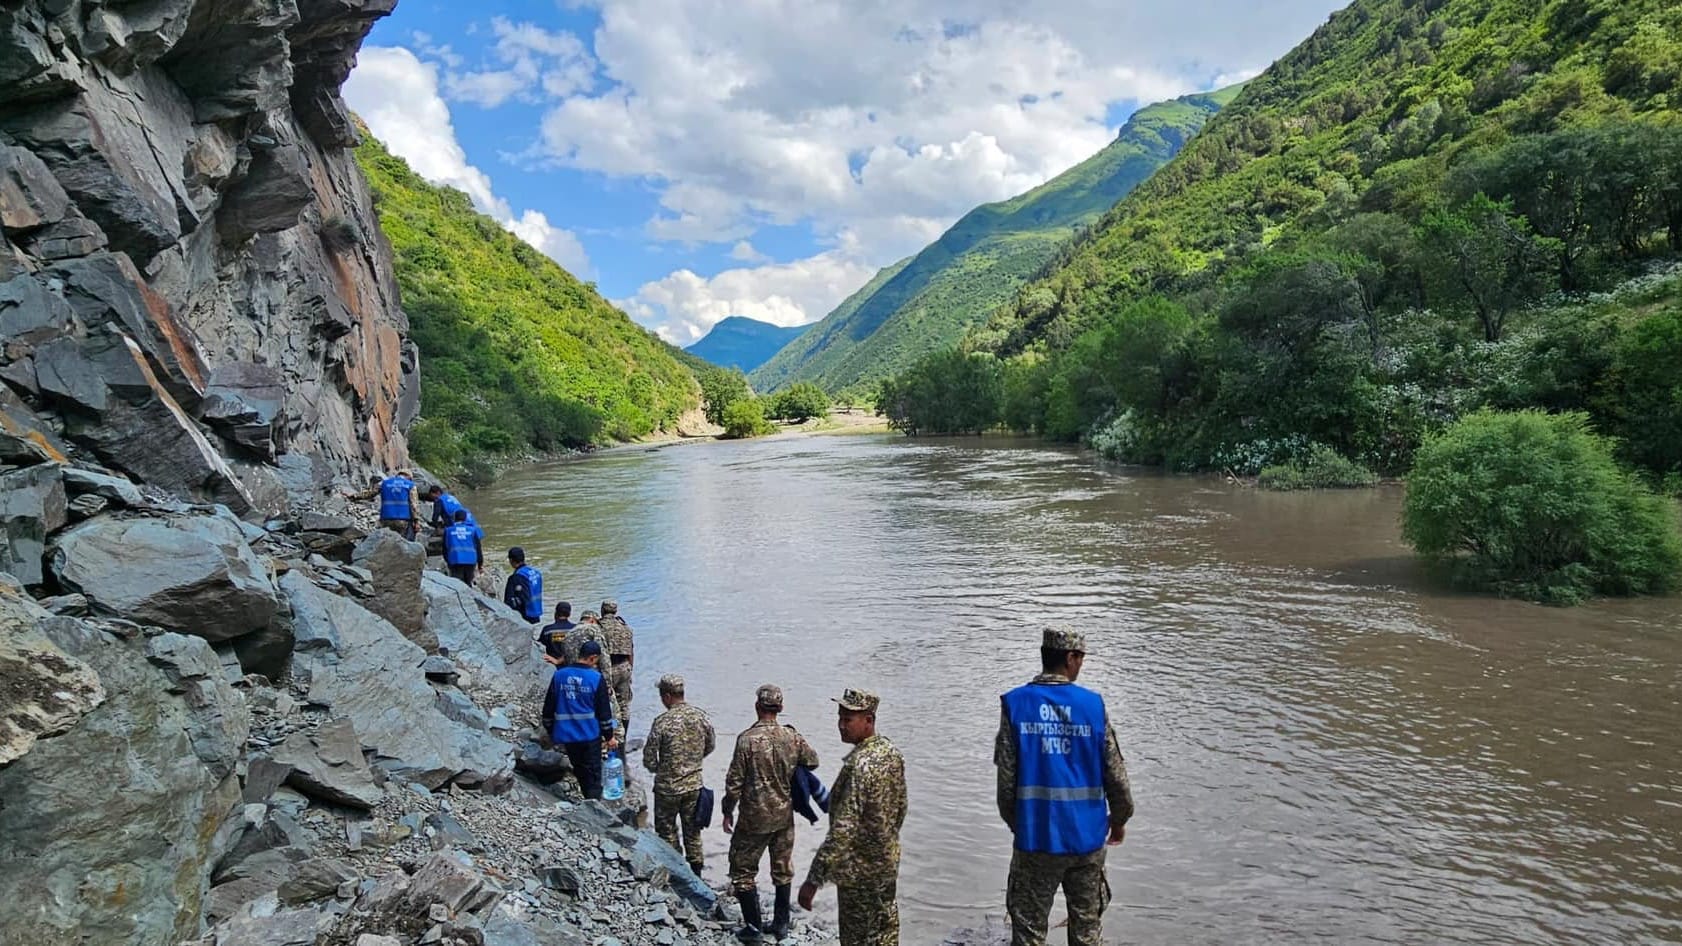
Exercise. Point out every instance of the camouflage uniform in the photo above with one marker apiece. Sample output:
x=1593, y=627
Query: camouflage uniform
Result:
x=621, y=651
x=861, y=853
x=761, y=778
x=585, y=630
x=677, y=742
x=1034, y=877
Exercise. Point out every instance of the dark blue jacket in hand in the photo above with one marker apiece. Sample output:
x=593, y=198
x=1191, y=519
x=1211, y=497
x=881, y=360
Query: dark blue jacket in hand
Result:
x=808, y=790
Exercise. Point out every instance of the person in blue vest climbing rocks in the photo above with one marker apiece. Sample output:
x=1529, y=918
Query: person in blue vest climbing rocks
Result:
x=399, y=510
x=1063, y=792
x=444, y=507
x=464, y=552
x=578, y=715
x=524, y=590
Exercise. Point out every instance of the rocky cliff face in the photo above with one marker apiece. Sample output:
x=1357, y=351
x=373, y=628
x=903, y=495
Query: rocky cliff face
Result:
x=193, y=287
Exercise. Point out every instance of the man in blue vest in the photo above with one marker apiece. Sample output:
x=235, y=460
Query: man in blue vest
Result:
x=578, y=714
x=524, y=590
x=445, y=507
x=1063, y=791
x=399, y=511
x=464, y=553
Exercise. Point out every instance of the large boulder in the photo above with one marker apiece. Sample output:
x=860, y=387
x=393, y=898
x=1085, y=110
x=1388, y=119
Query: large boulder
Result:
x=43, y=690
x=329, y=766
x=397, y=565
x=108, y=830
x=355, y=664
x=480, y=633
x=32, y=506
x=193, y=574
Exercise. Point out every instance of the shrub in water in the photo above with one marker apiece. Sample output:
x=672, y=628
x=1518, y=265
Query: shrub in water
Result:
x=1533, y=505
x=1318, y=467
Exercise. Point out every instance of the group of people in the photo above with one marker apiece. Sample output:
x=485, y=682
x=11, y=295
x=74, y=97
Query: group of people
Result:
x=1062, y=785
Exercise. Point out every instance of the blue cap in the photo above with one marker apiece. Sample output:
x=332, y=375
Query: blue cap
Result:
x=590, y=649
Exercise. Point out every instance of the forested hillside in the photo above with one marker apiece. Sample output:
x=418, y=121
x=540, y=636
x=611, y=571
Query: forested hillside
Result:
x=515, y=352
x=742, y=343
x=1423, y=210
x=927, y=302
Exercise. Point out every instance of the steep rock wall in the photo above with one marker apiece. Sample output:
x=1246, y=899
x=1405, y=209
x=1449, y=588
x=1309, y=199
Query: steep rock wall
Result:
x=193, y=285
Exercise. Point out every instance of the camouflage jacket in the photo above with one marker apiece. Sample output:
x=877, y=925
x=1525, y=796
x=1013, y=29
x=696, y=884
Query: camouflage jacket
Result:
x=1117, y=791
x=581, y=632
x=762, y=775
x=866, y=810
x=677, y=742
x=619, y=637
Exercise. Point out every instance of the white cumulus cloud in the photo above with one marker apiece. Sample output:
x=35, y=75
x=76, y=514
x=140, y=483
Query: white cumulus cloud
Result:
x=683, y=306
x=397, y=95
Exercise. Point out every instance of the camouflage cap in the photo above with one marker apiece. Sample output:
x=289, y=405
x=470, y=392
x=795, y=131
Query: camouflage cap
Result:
x=610, y=606
x=671, y=683
x=858, y=701
x=769, y=696
x=588, y=616
x=1063, y=638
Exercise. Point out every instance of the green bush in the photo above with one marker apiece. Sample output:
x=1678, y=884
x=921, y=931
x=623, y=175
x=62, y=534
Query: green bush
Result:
x=745, y=418
x=1533, y=505
x=801, y=402
x=1319, y=467
x=1647, y=381
x=721, y=387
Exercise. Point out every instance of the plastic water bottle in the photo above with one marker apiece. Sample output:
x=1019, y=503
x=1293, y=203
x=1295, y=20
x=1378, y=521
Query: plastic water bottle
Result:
x=613, y=777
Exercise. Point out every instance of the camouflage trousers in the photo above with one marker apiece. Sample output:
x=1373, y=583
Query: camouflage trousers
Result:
x=675, y=815
x=746, y=850
x=869, y=915
x=1034, y=879
x=619, y=680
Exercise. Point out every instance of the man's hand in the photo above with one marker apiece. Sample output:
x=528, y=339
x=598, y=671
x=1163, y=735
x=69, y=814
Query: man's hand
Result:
x=1117, y=834
x=611, y=744
x=729, y=825
x=808, y=891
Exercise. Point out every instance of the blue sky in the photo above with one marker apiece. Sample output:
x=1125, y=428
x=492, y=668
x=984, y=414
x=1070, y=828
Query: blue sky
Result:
x=705, y=158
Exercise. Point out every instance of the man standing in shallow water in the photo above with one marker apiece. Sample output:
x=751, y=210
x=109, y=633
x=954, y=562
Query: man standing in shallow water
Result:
x=866, y=809
x=1059, y=769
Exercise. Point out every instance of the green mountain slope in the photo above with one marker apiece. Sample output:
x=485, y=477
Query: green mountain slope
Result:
x=743, y=343
x=925, y=303
x=1368, y=114
x=515, y=352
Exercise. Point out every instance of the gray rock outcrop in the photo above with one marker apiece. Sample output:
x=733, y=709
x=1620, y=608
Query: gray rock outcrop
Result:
x=43, y=690
x=194, y=574
x=480, y=633
x=329, y=766
x=396, y=565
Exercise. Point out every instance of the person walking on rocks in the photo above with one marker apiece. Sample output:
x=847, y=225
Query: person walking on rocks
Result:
x=578, y=713
x=444, y=507
x=524, y=590
x=399, y=511
x=1063, y=792
x=761, y=780
x=553, y=637
x=464, y=552
x=677, y=742
x=587, y=629
x=621, y=656
x=866, y=809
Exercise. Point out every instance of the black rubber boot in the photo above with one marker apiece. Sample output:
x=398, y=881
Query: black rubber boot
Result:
x=752, y=924
x=779, y=919
x=696, y=867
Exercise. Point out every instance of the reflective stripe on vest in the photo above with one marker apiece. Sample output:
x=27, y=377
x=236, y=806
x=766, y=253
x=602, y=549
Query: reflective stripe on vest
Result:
x=1060, y=806
x=459, y=545
x=394, y=497
x=534, y=581
x=575, y=705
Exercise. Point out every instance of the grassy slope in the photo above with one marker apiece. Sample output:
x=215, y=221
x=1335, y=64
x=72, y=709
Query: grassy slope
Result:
x=515, y=352
x=925, y=303
x=1373, y=108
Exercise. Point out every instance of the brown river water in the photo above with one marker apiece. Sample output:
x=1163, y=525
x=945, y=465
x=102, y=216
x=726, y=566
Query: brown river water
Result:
x=1324, y=744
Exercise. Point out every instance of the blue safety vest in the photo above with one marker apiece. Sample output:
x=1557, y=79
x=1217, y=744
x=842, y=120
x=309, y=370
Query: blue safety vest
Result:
x=574, y=689
x=534, y=602
x=446, y=509
x=461, y=545
x=394, y=497
x=1059, y=731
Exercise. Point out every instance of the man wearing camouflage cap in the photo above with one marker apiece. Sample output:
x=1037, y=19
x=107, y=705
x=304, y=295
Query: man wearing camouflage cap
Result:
x=586, y=630
x=1063, y=792
x=761, y=779
x=677, y=742
x=866, y=809
x=621, y=657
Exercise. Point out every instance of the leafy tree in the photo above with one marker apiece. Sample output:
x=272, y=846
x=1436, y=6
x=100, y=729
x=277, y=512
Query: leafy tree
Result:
x=800, y=402
x=1647, y=392
x=1485, y=258
x=721, y=387
x=745, y=417
x=1533, y=505
x=944, y=393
